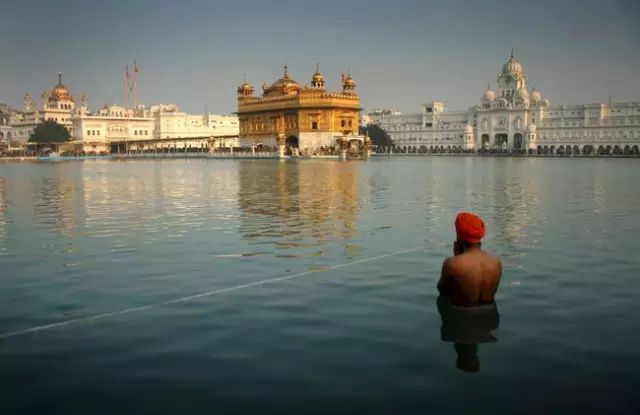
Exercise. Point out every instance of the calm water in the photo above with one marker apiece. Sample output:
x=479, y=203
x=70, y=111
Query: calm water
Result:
x=350, y=323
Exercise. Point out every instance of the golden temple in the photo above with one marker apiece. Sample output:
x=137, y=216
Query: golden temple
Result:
x=299, y=119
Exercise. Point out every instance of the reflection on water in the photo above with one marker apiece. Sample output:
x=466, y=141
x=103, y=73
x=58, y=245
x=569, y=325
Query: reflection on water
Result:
x=467, y=327
x=81, y=239
x=293, y=205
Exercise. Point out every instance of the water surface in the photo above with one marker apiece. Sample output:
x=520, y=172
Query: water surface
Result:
x=350, y=321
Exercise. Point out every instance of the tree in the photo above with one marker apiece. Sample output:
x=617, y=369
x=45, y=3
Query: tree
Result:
x=378, y=136
x=49, y=132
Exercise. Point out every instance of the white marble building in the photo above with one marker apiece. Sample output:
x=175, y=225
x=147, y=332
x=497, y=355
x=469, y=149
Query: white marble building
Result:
x=518, y=119
x=144, y=128
x=157, y=126
x=57, y=105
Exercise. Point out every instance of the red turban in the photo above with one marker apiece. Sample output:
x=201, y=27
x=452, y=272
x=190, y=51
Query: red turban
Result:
x=469, y=228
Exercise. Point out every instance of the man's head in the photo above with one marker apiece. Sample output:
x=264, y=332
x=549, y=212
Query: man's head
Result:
x=469, y=228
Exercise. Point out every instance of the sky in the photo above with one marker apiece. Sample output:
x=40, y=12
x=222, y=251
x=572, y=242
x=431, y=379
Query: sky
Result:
x=401, y=53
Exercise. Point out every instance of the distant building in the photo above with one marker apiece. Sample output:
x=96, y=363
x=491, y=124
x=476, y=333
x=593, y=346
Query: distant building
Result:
x=116, y=128
x=57, y=105
x=515, y=118
x=303, y=118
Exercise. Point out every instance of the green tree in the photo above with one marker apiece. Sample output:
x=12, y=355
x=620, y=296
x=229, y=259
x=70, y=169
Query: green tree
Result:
x=377, y=135
x=49, y=132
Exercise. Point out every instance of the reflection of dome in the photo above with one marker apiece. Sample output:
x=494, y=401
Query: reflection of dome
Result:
x=535, y=95
x=60, y=92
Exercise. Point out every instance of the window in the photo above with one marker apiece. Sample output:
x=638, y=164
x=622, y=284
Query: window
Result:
x=429, y=109
x=314, y=125
x=342, y=123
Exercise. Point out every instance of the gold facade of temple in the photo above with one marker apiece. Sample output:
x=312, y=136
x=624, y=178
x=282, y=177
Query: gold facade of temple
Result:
x=304, y=119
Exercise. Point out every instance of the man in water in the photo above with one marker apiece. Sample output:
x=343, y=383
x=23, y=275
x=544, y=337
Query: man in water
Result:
x=470, y=277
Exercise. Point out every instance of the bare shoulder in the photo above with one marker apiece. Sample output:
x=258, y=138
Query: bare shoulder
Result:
x=494, y=260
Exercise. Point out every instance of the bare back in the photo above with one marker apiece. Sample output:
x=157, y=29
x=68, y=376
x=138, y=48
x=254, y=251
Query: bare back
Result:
x=470, y=278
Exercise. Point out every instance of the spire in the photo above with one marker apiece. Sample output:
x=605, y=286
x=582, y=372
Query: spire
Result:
x=286, y=71
x=59, y=78
x=317, y=67
x=511, y=53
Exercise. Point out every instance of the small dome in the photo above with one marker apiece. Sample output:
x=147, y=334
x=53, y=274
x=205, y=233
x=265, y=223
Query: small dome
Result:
x=523, y=93
x=349, y=81
x=317, y=81
x=535, y=95
x=489, y=95
x=317, y=76
x=544, y=103
x=245, y=88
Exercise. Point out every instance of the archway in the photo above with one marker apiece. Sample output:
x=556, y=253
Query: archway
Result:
x=545, y=150
x=601, y=150
x=617, y=150
x=635, y=150
x=539, y=149
x=568, y=150
x=607, y=150
x=292, y=141
x=501, y=140
x=560, y=150
x=292, y=145
x=627, y=150
x=485, y=141
x=423, y=149
x=517, y=141
x=576, y=150
x=552, y=150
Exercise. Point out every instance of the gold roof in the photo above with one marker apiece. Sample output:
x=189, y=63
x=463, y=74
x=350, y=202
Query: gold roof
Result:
x=60, y=92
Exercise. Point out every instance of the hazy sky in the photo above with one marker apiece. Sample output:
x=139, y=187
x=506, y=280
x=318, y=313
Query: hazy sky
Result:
x=401, y=53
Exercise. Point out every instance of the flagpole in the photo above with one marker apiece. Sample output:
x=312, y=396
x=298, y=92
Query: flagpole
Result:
x=135, y=84
x=126, y=87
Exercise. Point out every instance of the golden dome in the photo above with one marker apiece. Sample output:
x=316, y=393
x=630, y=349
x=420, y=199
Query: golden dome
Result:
x=286, y=81
x=318, y=76
x=349, y=81
x=245, y=88
x=60, y=92
x=317, y=81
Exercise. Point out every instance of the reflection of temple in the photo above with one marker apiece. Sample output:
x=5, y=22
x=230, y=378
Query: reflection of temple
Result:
x=305, y=119
x=467, y=327
x=288, y=202
x=60, y=201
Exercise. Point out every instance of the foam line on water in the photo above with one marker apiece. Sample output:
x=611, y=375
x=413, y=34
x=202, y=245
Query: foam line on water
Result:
x=194, y=296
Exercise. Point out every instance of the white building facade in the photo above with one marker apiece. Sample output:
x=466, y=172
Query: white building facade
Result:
x=514, y=118
x=161, y=127
x=57, y=105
